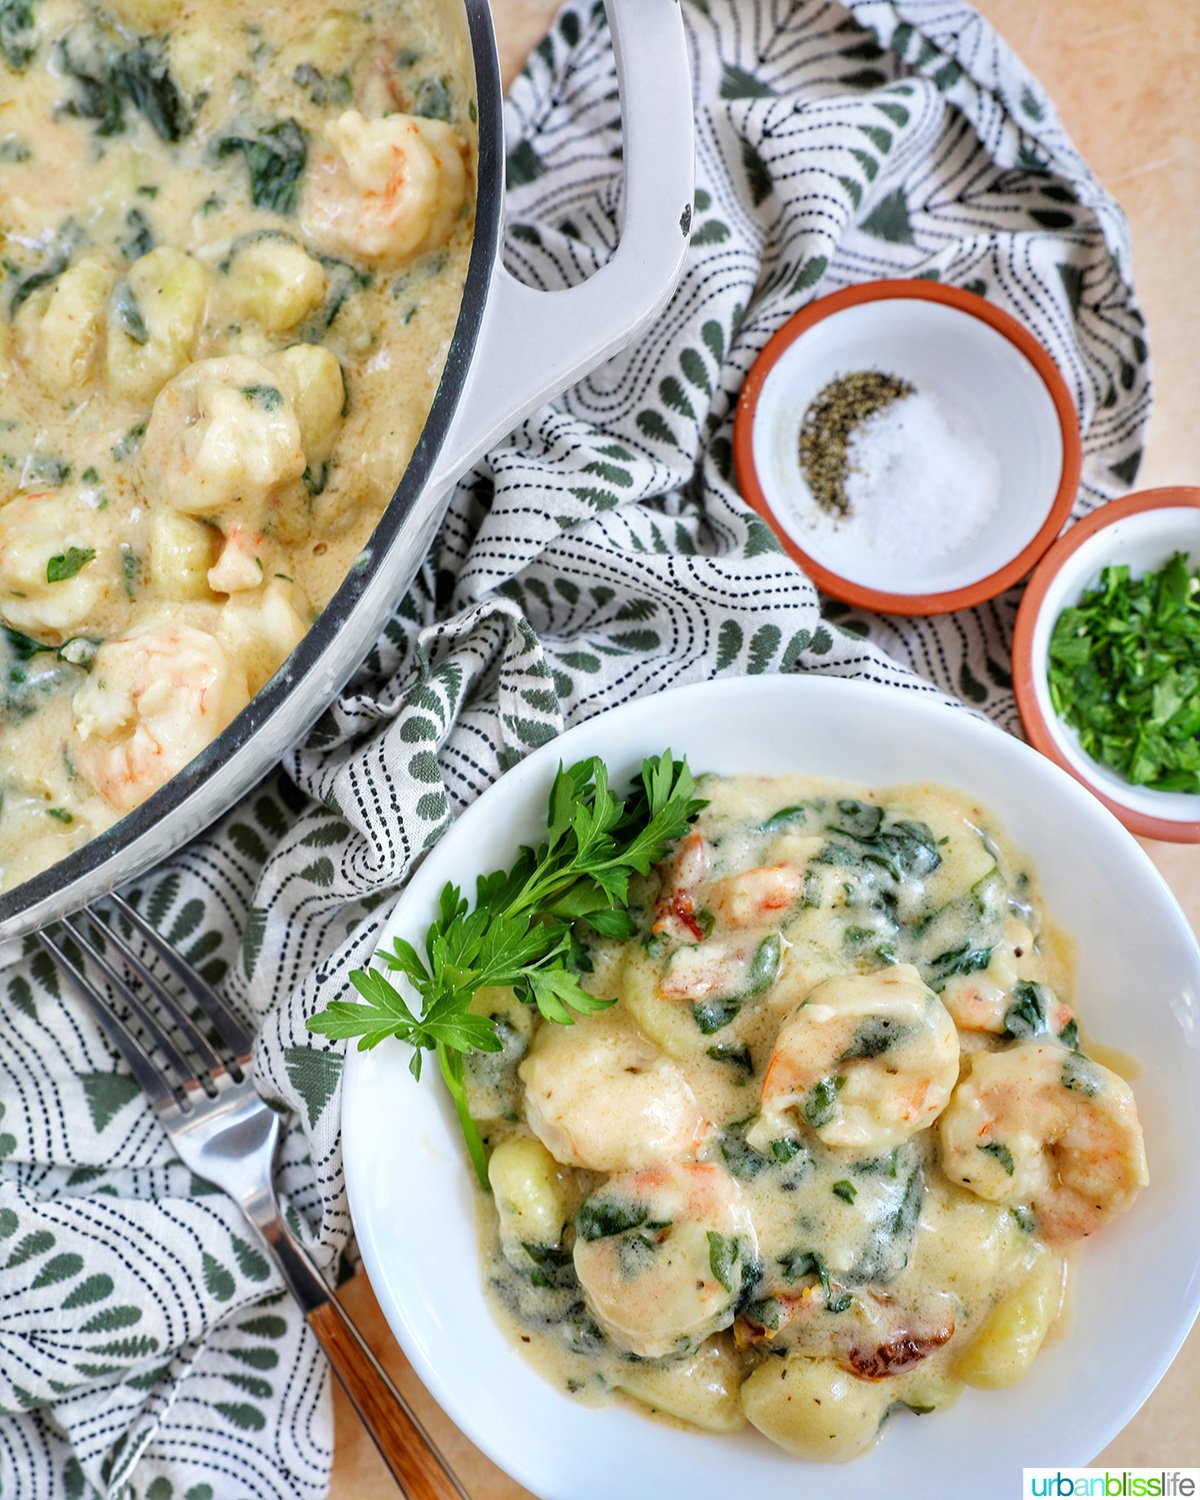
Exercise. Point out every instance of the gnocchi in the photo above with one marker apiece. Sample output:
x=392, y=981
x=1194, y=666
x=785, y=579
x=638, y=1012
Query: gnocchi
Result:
x=60, y=328
x=154, y=317
x=534, y=1194
x=1015, y=1329
x=274, y=282
x=813, y=1409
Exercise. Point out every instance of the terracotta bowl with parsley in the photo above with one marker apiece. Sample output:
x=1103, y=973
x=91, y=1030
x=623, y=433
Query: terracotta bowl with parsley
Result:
x=1106, y=659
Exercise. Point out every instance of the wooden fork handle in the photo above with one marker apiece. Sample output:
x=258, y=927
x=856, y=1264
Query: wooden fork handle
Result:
x=416, y=1465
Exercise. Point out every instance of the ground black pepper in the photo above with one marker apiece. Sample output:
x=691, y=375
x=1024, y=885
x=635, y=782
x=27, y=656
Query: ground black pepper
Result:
x=828, y=424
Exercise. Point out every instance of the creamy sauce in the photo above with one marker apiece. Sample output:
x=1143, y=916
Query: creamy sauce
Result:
x=773, y=1181
x=233, y=240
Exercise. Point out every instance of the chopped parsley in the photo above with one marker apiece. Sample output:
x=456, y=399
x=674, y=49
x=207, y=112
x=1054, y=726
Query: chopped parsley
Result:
x=1124, y=672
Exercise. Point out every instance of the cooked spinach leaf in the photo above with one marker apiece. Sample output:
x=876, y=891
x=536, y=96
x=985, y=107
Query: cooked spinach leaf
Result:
x=714, y=1015
x=129, y=442
x=433, y=99
x=108, y=78
x=29, y=676
x=599, y=1218
x=322, y=90
x=717, y=1013
x=788, y=817
x=1079, y=1074
x=21, y=646
x=800, y=1263
x=965, y=959
x=55, y=260
x=265, y=396
x=820, y=1103
x=743, y=1161
x=737, y=1055
x=48, y=468
x=129, y=314
x=275, y=157
x=1001, y=1152
x=900, y=849
x=723, y=1256
x=885, y=1253
x=17, y=41
x=873, y=1037
x=140, y=239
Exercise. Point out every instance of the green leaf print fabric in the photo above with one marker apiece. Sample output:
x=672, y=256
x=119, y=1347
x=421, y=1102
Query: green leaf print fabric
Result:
x=601, y=552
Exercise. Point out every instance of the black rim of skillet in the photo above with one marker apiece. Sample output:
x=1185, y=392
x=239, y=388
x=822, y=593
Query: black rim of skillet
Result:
x=306, y=659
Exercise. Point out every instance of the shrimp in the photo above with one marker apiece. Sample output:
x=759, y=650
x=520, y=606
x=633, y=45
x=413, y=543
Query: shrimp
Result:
x=750, y=899
x=387, y=189
x=661, y=1253
x=600, y=1094
x=1041, y=1125
x=154, y=699
x=221, y=434
x=53, y=576
x=239, y=565
x=676, y=914
x=757, y=898
x=866, y=1060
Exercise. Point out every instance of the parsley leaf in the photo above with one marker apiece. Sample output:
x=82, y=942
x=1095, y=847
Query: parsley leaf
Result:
x=521, y=932
x=64, y=565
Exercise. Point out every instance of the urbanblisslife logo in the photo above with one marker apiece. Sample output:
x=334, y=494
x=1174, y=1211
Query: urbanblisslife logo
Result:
x=1112, y=1484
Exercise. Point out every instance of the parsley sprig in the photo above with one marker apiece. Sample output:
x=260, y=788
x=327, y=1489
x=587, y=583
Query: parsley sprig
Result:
x=1125, y=672
x=523, y=931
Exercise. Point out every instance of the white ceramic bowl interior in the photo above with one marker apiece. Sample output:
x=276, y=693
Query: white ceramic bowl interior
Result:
x=1137, y=1285
x=1144, y=540
x=990, y=393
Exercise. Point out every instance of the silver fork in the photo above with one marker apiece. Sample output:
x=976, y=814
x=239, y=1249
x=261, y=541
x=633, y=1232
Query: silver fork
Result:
x=205, y=1100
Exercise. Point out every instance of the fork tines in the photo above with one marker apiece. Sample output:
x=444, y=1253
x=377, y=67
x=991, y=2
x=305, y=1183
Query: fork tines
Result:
x=145, y=1020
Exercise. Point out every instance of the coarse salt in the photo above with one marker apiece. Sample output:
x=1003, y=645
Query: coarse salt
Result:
x=920, y=481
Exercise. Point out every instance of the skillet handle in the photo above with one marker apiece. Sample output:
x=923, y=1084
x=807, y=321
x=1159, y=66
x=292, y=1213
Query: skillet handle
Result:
x=534, y=344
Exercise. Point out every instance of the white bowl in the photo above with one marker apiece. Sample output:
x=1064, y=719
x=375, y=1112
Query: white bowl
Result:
x=1137, y=1287
x=998, y=389
x=1144, y=531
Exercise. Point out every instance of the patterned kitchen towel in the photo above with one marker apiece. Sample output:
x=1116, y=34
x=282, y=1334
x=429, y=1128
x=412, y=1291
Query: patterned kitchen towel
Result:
x=602, y=552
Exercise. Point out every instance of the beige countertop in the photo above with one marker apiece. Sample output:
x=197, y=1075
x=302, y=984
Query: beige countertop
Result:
x=1122, y=73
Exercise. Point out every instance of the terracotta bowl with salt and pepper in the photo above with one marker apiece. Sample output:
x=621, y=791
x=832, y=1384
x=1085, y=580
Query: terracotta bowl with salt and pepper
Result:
x=913, y=447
